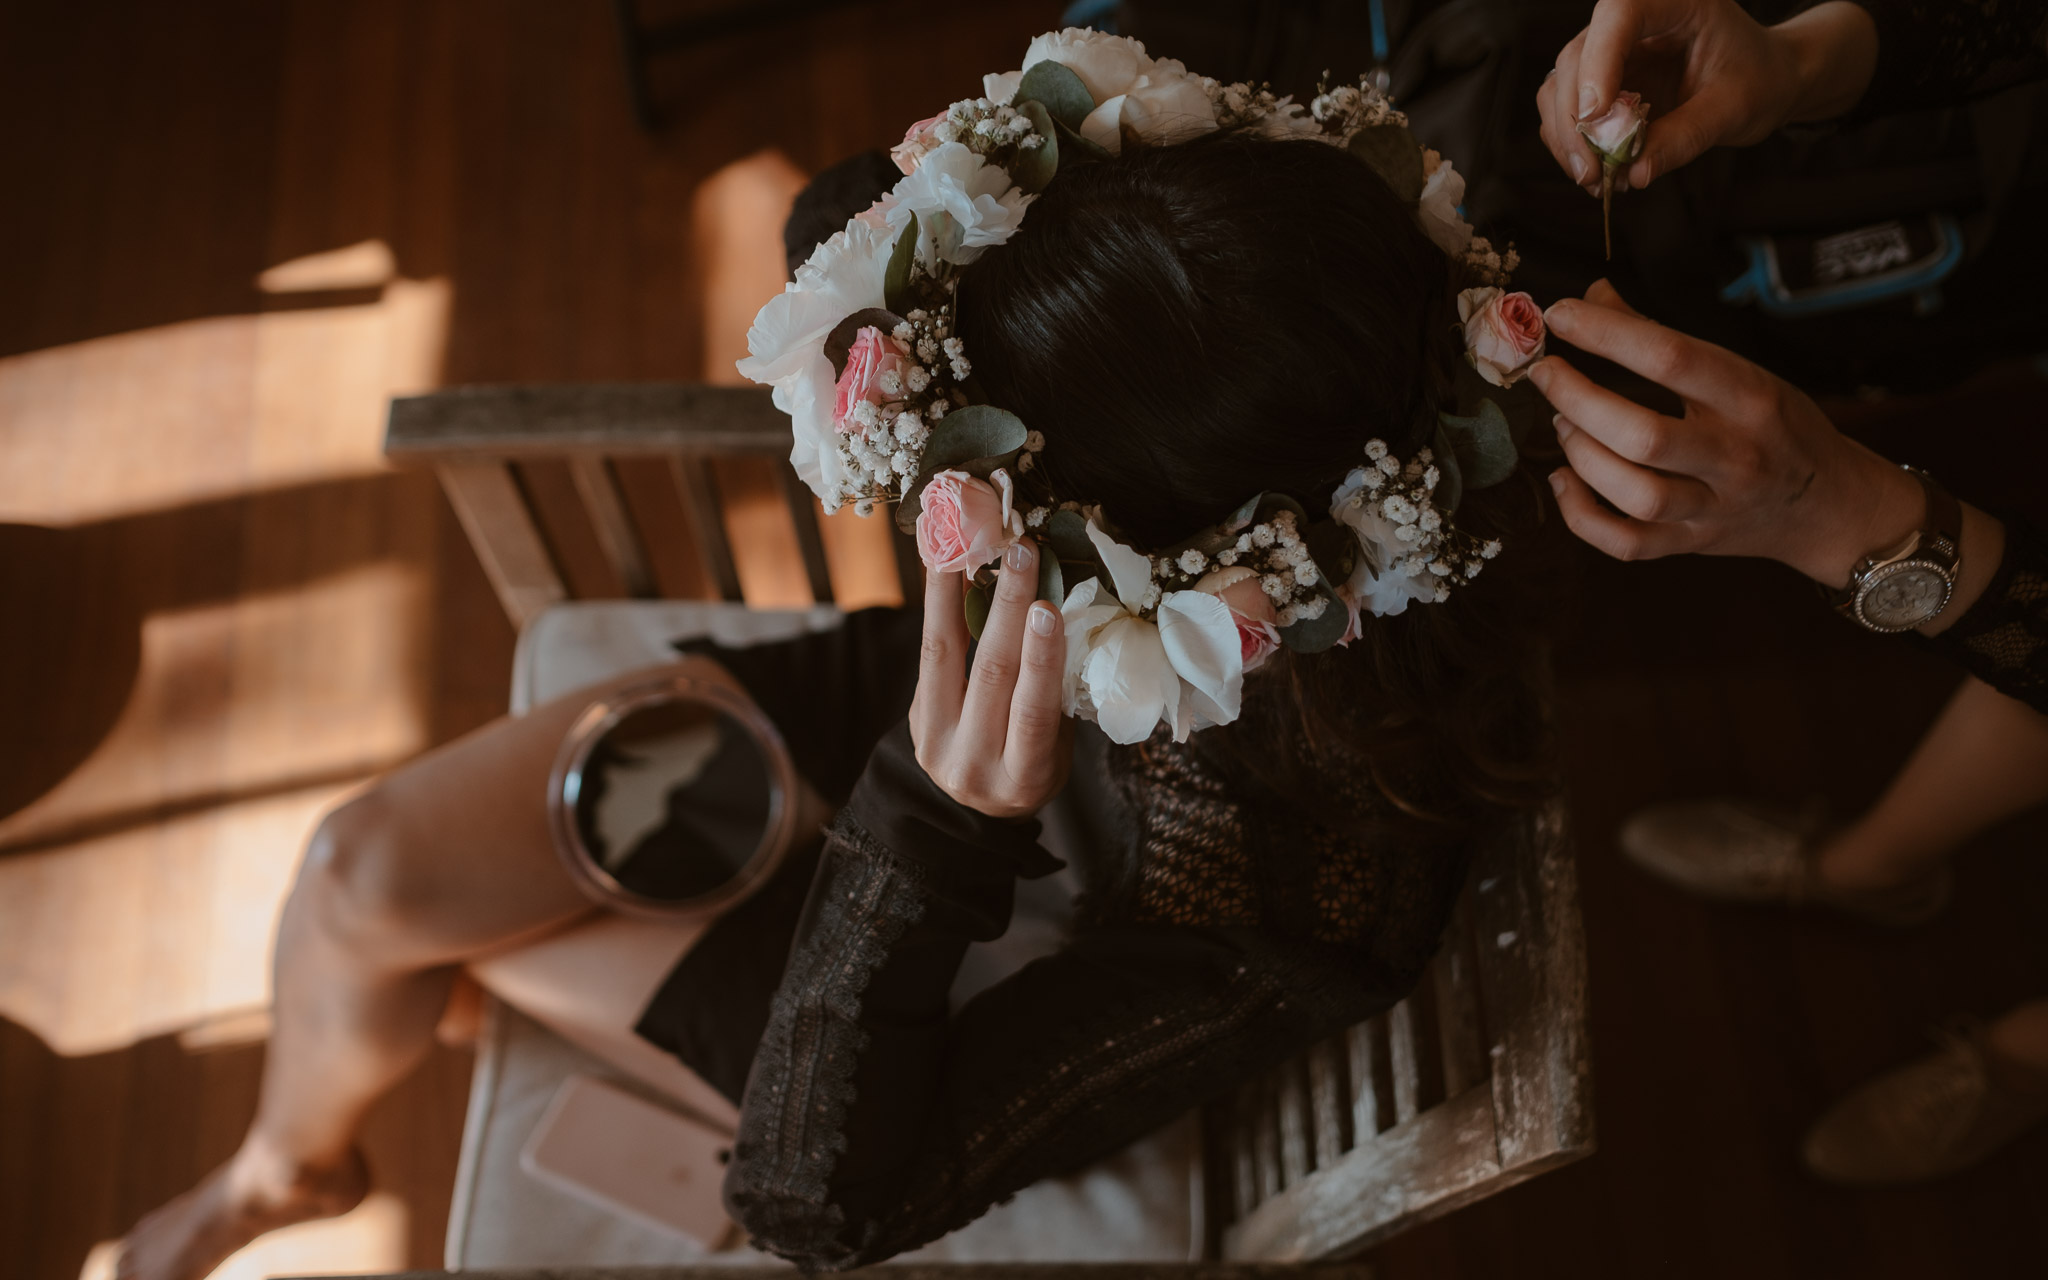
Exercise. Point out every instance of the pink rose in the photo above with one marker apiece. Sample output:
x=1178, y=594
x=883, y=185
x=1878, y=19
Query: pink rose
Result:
x=874, y=373
x=964, y=523
x=1617, y=133
x=1503, y=333
x=917, y=140
x=1250, y=608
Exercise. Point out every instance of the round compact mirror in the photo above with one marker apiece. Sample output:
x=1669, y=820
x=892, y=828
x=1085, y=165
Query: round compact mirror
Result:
x=674, y=799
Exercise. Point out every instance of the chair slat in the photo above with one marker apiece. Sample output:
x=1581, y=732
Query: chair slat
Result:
x=707, y=522
x=616, y=536
x=803, y=513
x=1406, y=1061
x=1244, y=1165
x=1459, y=1026
x=1371, y=1103
x=501, y=528
x=1329, y=1109
x=1266, y=1140
x=1297, y=1149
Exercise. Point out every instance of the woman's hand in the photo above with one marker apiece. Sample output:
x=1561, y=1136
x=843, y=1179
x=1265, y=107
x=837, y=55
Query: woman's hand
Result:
x=1714, y=76
x=994, y=739
x=1754, y=468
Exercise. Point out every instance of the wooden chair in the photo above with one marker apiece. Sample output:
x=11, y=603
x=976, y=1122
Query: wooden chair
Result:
x=1477, y=1081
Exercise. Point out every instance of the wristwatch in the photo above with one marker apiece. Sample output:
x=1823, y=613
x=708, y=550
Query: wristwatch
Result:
x=1910, y=584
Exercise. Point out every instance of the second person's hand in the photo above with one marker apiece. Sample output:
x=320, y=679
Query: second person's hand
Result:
x=1712, y=74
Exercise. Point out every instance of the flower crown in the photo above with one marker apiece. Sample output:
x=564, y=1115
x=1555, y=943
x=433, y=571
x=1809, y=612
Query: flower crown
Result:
x=861, y=352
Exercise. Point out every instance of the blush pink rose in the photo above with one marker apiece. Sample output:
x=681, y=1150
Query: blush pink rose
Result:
x=1258, y=632
x=964, y=523
x=1617, y=133
x=1503, y=333
x=917, y=140
x=874, y=373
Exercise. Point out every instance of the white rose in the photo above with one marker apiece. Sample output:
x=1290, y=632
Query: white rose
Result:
x=963, y=205
x=787, y=344
x=1371, y=585
x=1130, y=675
x=1157, y=100
x=1443, y=190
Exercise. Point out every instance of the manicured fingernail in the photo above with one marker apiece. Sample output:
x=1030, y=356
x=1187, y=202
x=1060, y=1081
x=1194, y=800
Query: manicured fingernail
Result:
x=1019, y=554
x=1580, y=169
x=1043, y=619
x=1589, y=100
x=1563, y=425
x=1557, y=482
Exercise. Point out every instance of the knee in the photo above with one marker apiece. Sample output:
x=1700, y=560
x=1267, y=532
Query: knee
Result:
x=364, y=888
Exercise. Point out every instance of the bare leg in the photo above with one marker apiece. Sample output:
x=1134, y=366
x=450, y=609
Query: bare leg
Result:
x=446, y=860
x=1984, y=760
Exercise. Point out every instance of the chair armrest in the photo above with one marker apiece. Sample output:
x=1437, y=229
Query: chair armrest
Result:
x=612, y=419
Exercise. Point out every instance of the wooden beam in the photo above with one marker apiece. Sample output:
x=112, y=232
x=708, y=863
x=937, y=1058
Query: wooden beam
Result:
x=500, y=526
x=602, y=418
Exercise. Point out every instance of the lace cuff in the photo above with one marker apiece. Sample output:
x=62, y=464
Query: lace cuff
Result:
x=2003, y=639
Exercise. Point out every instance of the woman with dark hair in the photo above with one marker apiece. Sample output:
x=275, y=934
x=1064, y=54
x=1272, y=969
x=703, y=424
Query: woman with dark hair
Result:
x=1270, y=768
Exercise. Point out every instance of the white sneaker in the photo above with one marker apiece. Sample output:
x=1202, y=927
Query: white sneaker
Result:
x=1740, y=851
x=1930, y=1118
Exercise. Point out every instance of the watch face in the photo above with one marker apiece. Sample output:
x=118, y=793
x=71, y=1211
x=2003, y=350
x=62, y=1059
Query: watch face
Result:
x=1907, y=596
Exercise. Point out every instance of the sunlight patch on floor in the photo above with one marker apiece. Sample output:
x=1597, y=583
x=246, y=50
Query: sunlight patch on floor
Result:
x=367, y=1240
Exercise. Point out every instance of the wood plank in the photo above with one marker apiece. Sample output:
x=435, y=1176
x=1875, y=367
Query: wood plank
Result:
x=928, y=1271
x=1455, y=976
x=1429, y=1165
x=1290, y=1098
x=1265, y=1138
x=603, y=418
x=1244, y=1164
x=616, y=536
x=1404, y=1056
x=803, y=513
x=1531, y=960
x=1372, y=1099
x=707, y=523
x=1329, y=1107
x=500, y=527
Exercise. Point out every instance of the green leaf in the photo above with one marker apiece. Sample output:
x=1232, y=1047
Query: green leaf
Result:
x=1066, y=532
x=1075, y=149
x=1034, y=168
x=1482, y=444
x=1066, y=99
x=977, y=431
x=839, y=343
x=976, y=604
x=1052, y=586
x=896, y=280
x=1391, y=152
x=1314, y=635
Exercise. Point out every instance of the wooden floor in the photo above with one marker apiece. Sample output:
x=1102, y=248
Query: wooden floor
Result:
x=231, y=229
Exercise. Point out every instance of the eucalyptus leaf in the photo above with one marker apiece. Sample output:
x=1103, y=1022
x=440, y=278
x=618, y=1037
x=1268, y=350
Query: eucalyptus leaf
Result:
x=1075, y=149
x=1244, y=516
x=896, y=280
x=977, y=431
x=839, y=343
x=1066, y=99
x=1314, y=635
x=1066, y=532
x=1391, y=152
x=975, y=604
x=1482, y=444
x=1034, y=168
x=1450, y=485
x=1052, y=586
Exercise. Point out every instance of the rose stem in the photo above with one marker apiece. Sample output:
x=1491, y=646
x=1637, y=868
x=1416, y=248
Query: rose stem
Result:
x=1607, y=206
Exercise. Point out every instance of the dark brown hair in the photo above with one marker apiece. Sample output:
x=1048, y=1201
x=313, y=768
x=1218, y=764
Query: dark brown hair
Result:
x=1193, y=325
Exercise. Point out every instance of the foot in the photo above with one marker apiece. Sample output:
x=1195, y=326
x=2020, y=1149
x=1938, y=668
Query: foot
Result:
x=187, y=1238
x=1739, y=851
x=1927, y=1119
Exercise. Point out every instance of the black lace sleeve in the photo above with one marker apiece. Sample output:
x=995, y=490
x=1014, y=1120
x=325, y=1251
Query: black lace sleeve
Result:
x=2003, y=639
x=874, y=1121
x=1935, y=53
